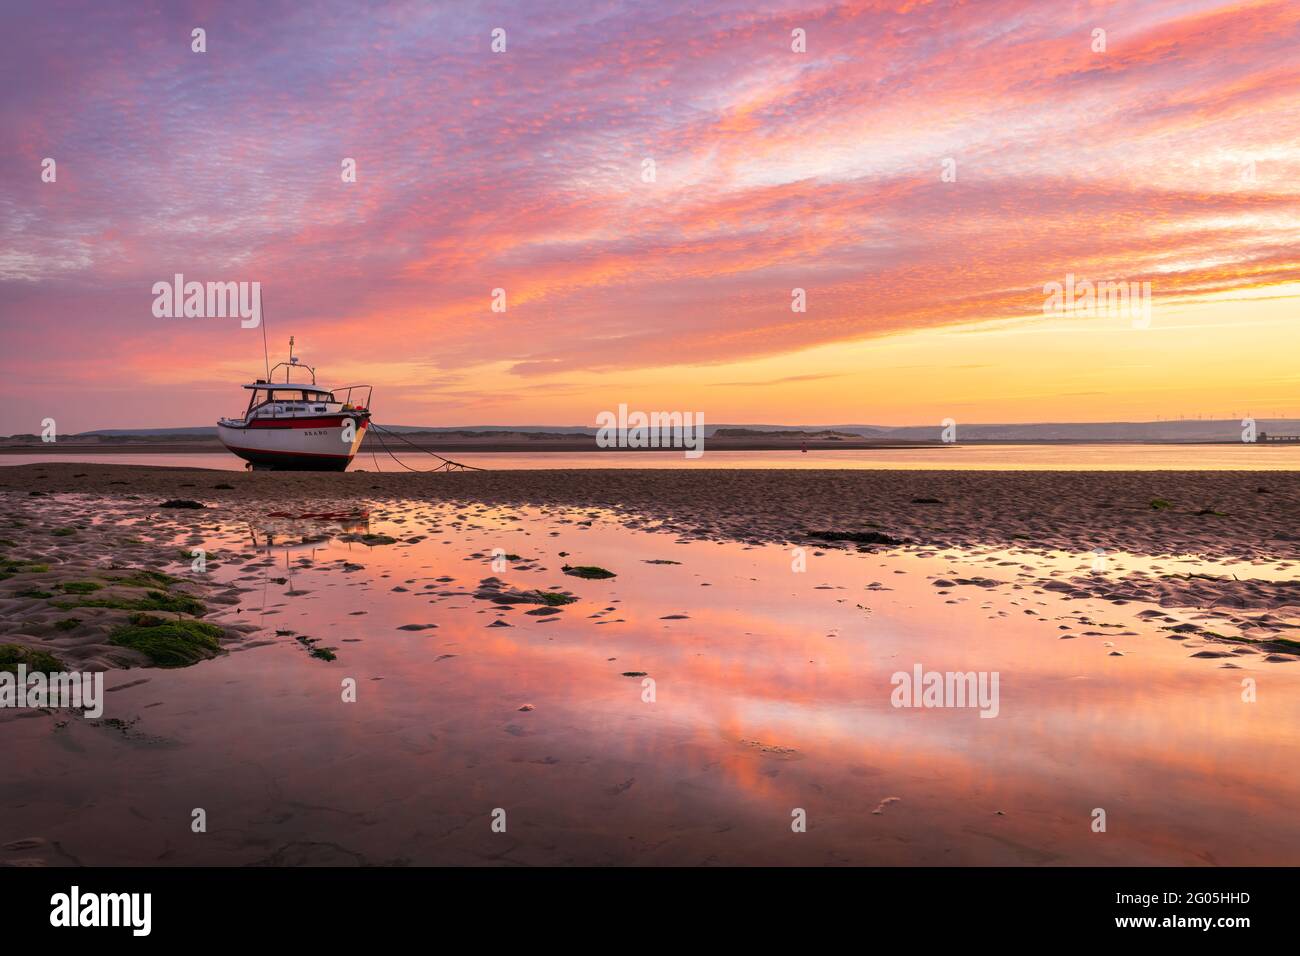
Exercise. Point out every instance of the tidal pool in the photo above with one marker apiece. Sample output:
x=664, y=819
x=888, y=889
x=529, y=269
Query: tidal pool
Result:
x=695, y=708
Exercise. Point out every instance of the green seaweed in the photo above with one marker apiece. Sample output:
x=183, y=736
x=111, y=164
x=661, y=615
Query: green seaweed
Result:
x=67, y=623
x=173, y=644
x=79, y=587
x=11, y=655
x=588, y=571
x=34, y=593
x=552, y=598
x=141, y=578
x=9, y=567
x=153, y=601
x=320, y=653
x=1161, y=504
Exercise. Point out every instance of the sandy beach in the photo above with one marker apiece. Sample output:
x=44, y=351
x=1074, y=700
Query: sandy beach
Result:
x=1241, y=516
x=1236, y=514
x=54, y=544
x=768, y=608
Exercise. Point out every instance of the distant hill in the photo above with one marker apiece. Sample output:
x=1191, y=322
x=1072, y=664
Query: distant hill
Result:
x=793, y=434
x=201, y=431
x=1183, y=430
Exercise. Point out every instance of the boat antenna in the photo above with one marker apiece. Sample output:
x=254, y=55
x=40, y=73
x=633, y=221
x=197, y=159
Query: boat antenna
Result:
x=266, y=355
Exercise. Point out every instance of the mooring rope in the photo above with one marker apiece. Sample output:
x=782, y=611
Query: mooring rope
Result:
x=447, y=463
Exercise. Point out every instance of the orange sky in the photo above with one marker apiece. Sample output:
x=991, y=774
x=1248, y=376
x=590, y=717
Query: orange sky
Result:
x=1170, y=157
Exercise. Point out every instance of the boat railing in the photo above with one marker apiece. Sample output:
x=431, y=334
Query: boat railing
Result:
x=289, y=367
x=344, y=395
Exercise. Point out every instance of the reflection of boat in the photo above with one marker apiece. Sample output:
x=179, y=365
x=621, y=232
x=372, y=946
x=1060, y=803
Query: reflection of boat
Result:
x=342, y=517
x=285, y=531
x=298, y=425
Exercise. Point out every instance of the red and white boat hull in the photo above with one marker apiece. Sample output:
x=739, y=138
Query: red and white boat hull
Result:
x=309, y=443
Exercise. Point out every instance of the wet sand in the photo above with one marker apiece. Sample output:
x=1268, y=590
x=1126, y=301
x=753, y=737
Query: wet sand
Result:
x=1249, y=519
x=1234, y=514
x=1121, y=673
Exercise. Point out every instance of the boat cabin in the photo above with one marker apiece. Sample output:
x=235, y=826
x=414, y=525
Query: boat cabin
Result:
x=276, y=399
x=289, y=399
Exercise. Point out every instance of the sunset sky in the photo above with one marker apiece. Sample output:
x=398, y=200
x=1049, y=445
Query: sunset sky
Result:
x=1171, y=157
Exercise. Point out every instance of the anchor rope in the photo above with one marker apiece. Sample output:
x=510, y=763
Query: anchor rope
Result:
x=447, y=463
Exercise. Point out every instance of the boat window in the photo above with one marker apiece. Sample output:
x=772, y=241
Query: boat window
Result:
x=277, y=401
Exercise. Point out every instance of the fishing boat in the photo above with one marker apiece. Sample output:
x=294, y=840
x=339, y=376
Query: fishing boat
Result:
x=298, y=424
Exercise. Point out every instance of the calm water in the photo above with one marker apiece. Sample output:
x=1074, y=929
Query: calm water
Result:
x=974, y=457
x=772, y=694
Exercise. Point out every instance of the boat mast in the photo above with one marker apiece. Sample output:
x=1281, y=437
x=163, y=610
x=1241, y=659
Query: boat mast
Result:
x=261, y=311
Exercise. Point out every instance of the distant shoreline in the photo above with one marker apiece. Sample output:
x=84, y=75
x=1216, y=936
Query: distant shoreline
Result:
x=398, y=446
x=210, y=446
